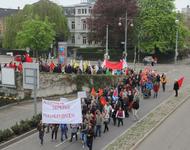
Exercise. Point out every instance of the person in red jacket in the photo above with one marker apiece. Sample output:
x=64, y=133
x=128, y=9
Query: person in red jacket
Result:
x=20, y=67
x=156, y=88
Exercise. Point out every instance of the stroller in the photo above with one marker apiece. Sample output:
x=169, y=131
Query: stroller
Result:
x=147, y=89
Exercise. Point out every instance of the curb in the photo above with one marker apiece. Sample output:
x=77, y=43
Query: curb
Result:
x=161, y=121
x=16, y=103
x=18, y=138
x=31, y=101
x=129, y=138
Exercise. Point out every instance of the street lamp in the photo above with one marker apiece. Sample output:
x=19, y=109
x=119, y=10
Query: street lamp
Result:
x=126, y=28
x=107, y=36
x=177, y=36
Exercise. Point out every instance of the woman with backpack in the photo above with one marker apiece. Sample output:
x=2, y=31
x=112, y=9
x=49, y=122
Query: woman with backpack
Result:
x=135, y=106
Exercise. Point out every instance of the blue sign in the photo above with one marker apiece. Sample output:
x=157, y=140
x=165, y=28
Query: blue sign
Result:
x=61, y=49
x=61, y=59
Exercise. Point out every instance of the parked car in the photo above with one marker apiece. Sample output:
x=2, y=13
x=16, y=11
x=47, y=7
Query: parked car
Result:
x=148, y=60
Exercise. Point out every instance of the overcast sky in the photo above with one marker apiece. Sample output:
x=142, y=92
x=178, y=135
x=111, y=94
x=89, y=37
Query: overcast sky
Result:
x=15, y=3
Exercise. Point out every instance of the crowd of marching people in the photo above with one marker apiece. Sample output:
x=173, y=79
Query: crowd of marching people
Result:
x=109, y=106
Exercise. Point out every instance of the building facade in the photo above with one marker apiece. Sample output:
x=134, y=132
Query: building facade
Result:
x=77, y=16
x=4, y=13
x=186, y=13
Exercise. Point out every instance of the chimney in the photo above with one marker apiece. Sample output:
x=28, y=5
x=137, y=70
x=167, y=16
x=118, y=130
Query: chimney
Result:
x=18, y=7
x=187, y=6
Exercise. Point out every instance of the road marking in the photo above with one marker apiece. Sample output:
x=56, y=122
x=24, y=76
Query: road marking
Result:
x=19, y=142
x=60, y=144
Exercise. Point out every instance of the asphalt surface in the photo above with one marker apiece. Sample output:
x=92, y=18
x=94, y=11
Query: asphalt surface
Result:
x=173, y=134
x=32, y=142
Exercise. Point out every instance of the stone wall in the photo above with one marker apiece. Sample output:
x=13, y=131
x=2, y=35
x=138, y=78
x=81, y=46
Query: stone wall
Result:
x=53, y=84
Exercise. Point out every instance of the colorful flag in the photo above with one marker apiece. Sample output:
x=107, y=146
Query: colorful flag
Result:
x=180, y=81
x=103, y=101
x=100, y=92
x=93, y=92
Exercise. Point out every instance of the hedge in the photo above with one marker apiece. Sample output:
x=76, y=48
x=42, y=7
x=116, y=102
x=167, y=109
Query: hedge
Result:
x=19, y=128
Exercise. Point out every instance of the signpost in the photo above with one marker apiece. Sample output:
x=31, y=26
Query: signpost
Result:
x=62, y=53
x=31, y=79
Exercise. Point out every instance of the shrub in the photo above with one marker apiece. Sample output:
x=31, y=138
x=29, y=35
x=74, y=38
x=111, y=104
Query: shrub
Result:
x=1, y=135
x=25, y=127
x=6, y=134
x=16, y=129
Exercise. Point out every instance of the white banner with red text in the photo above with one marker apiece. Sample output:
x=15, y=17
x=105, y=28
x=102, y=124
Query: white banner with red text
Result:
x=60, y=112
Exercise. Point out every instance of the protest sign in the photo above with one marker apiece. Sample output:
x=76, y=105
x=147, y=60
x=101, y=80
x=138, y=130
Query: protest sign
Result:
x=82, y=94
x=57, y=112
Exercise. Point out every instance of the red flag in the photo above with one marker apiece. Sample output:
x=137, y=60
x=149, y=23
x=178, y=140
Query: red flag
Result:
x=114, y=65
x=180, y=81
x=93, y=92
x=103, y=101
x=100, y=93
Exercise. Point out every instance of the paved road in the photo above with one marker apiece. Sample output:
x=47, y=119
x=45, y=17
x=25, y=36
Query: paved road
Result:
x=173, y=134
x=32, y=142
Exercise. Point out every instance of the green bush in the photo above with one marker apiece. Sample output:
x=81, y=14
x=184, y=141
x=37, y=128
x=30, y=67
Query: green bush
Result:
x=5, y=135
x=16, y=129
x=25, y=127
x=1, y=135
x=20, y=128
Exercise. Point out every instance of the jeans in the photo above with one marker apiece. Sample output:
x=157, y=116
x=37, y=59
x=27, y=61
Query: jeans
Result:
x=72, y=134
x=155, y=94
x=176, y=93
x=98, y=130
x=41, y=137
x=63, y=132
x=89, y=143
x=120, y=120
x=83, y=137
x=54, y=131
x=135, y=111
x=164, y=86
x=106, y=126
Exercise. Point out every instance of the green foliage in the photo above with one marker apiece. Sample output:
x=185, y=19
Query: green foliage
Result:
x=5, y=134
x=156, y=26
x=43, y=9
x=36, y=34
x=19, y=128
x=16, y=129
x=96, y=81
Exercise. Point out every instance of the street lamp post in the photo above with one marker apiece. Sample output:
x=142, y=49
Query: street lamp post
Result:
x=126, y=25
x=126, y=29
x=107, y=38
x=177, y=36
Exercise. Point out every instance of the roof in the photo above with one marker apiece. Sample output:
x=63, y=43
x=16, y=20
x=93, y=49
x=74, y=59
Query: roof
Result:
x=6, y=12
x=83, y=4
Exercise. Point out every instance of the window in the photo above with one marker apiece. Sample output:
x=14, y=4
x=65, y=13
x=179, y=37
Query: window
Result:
x=73, y=39
x=85, y=11
x=90, y=11
x=84, y=25
x=72, y=25
x=84, y=40
x=82, y=11
x=79, y=11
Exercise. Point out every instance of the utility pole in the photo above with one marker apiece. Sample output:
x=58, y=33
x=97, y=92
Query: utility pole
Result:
x=107, y=39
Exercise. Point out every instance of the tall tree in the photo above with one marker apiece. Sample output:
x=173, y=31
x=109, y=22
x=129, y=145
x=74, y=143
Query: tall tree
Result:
x=43, y=9
x=36, y=34
x=108, y=12
x=156, y=26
